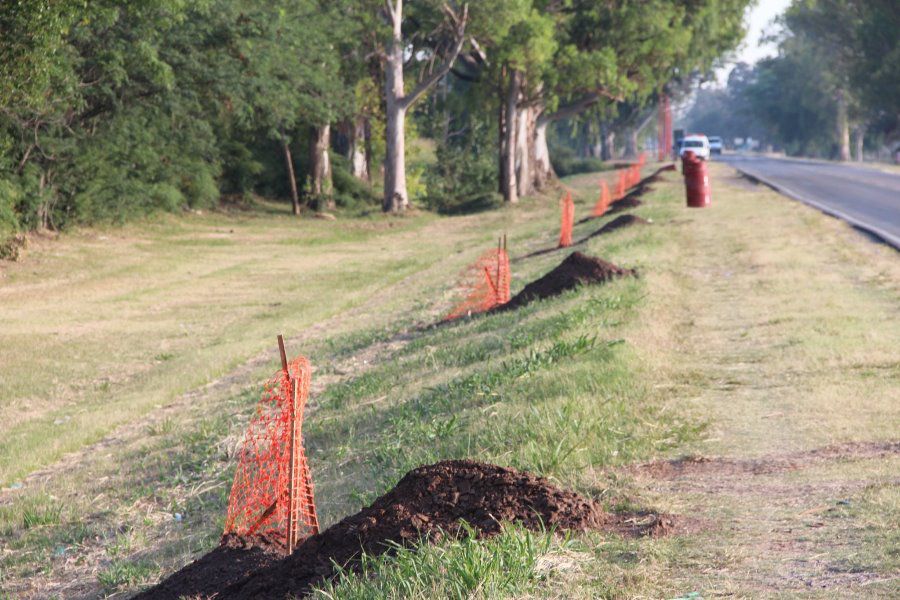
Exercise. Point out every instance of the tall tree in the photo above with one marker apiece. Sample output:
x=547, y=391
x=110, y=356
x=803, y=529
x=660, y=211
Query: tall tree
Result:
x=398, y=101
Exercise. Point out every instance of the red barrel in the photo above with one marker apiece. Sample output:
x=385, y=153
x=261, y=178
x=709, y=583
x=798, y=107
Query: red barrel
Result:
x=696, y=180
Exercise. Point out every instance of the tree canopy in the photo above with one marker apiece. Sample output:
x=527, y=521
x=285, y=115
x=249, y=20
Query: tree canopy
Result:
x=112, y=109
x=836, y=77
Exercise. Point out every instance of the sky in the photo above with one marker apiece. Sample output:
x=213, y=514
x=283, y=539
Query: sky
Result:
x=759, y=22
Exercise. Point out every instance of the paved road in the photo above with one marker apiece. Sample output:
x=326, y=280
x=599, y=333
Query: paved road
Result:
x=867, y=198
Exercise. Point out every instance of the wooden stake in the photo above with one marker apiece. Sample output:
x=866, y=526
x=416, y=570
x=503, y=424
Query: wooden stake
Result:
x=290, y=534
x=292, y=472
x=284, y=366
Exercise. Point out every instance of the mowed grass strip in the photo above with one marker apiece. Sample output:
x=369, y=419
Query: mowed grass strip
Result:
x=599, y=377
x=100, y=327
x=548, y=388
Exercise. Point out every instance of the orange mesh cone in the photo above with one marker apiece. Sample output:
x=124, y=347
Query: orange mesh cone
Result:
x=486, y=284
x=568, y=220
x=603, y=202
x=272, y=493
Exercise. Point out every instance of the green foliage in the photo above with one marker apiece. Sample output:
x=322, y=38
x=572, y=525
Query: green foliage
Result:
x=115, y=109
x=565, y=162
x=10, y=196
x=463, y=178
x=349, y=191
x=32, y=34
x=123, y=572
x=831, y=49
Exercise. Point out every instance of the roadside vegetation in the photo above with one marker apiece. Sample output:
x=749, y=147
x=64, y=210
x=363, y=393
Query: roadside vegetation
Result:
x=830, y=92
x=578, y=389
x=326, y=105
x=733, y=405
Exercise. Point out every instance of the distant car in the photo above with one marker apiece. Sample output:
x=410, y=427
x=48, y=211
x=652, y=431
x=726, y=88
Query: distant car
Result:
x=698, y=144
x=715, y=144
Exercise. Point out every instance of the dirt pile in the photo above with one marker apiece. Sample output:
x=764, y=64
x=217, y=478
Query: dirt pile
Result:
x=632, y=200
x=232, y=561
x=428, y=503
x=577, y=269
x=617, y=223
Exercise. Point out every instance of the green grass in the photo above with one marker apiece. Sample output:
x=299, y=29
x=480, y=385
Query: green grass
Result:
x=694, y=356
x=511, y=564
x=125, y=573
x=29, y=512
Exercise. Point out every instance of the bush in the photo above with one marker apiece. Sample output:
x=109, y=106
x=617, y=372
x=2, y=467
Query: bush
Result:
x=200, y=187
x=349, y=192
x=565, y=162
x=10, y=194
x=463, y=180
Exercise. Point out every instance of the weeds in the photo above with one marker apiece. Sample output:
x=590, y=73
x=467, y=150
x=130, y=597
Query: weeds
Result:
x=125, y=573
x=503, y=566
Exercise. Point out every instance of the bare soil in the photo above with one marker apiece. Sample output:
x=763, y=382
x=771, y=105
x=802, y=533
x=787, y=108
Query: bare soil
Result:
x=697, y=466
x=617, y=223
x=427, y=504
x=577, y=269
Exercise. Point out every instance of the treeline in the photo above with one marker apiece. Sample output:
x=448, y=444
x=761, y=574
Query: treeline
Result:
x=112, y=109
x=832, y=91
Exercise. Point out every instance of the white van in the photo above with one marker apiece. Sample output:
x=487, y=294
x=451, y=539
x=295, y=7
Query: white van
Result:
x=698, y=144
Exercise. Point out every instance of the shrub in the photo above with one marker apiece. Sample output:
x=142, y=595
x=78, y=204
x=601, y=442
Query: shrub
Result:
x=464, y=179
x=349, y=192
x=565, y=162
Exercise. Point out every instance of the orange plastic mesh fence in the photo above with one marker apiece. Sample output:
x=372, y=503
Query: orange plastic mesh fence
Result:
x=620, y=185
x=485, y=284
x=568, y=219
x=272, y=494
x=603, y=201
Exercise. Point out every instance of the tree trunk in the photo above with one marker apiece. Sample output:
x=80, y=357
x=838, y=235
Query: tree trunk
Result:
x=501, y=134
x=843, y=127
x=395, y=195
x=631, y=144
x=368, y=146
x=508, y=186
x=609, y=144
x=359, y=161
x=543, y=170
x=321, y=184
x=292, y=178
x=525, y=151
x=397, y=101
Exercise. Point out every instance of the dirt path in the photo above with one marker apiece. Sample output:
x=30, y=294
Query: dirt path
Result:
x=787, y=343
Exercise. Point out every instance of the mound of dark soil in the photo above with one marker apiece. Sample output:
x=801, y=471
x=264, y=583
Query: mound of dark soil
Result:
x=617, y=223
x=232, y=561
x=632, y=200
x=577, y=269
x=428, y=503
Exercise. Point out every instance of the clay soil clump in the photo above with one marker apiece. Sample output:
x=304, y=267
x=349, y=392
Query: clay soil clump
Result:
x=429, y=503
x=577, y=269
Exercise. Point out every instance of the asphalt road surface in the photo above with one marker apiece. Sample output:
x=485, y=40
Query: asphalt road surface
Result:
x=864, y=197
